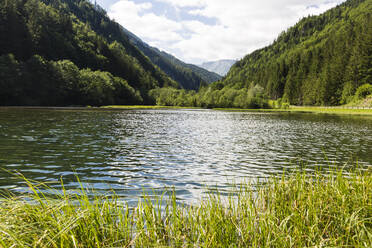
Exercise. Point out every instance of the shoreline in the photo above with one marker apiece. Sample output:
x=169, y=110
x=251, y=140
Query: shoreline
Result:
x=313, y=110
x=339, y=110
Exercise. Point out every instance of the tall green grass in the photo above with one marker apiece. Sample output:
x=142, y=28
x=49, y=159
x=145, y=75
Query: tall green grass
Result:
x=299, y=210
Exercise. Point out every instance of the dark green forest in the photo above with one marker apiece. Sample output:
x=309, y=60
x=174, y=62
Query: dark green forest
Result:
x=188, y=76
x=68, y=52
x=50, y=55
x=322, y=60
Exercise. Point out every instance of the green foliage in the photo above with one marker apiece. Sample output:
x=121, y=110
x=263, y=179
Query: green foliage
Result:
x=55, y=83
x=212, y=97
x=279, y=104
x=188, y=76
x=363, y=91
x=321, y=60
x=347, y=93
x=285, y=105
x=9, y=67
x=296, y=210
x=38, y=32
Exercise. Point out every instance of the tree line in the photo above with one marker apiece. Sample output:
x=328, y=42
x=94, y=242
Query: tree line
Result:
x=55, y=83
x=38, y=35
x=322, y=60
x=68, y=52
x=214, y=96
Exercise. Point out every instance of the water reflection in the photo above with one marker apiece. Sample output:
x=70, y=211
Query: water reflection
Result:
x=130, y=151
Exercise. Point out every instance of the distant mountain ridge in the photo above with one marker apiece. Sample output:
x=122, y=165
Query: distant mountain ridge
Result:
x=221, y=67
x=322, y=60
x=189, y=76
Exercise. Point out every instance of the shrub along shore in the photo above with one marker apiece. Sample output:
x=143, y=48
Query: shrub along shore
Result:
x=298, y=210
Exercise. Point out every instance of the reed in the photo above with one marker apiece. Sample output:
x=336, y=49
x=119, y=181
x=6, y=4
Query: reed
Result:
x=297, y=210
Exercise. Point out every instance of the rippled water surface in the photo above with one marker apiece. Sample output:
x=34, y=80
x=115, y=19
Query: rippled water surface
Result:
x=130, y=151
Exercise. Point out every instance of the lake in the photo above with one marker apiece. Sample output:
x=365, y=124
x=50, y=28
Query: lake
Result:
x=130, y=151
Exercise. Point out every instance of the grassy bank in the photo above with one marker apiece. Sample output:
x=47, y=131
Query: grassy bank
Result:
x=295, y=211
x=315, y=110
x=333, y=110
x=324, y=110
x=146, y=107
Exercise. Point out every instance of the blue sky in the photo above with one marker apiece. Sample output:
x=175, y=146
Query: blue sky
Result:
x=206, y=30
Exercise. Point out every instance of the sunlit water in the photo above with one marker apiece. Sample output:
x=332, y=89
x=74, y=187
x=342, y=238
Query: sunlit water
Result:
x=136, y=150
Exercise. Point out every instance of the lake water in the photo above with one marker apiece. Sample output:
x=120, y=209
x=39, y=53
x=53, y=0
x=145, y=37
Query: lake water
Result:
x=135, y=150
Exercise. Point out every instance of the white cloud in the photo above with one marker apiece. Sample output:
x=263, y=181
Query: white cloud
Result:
x=183, y=3
x=242, y=25
x=147, y=25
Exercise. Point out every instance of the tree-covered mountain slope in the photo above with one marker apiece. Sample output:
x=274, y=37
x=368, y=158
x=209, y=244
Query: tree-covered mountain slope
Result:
x=322, y=60
x=68, y=52
x=189, y=76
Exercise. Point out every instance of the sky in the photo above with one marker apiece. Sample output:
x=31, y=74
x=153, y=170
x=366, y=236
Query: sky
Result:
x=197, y=31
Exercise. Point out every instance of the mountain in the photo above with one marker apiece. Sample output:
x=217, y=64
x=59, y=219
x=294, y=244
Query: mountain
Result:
x=322, y=60
x=221, y=67
x=189, y=76
x=68, y=52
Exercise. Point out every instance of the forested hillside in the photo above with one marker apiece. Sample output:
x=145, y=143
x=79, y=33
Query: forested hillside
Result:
x=68, y=52
x=189, y=76
x=50, y=55
x=322, y=60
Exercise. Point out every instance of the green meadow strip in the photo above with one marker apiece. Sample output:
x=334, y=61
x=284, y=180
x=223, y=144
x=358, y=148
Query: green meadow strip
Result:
x=297, y=210
x=315, y=110
x=334, y=110
x=325, y=110
x=145, y=107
